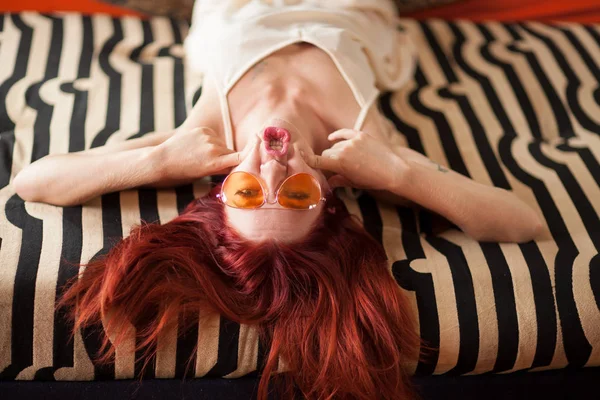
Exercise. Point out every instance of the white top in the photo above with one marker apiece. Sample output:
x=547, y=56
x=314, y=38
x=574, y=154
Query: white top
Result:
x=228, y=37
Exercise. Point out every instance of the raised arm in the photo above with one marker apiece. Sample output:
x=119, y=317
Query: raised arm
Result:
x=159, y=160
x=486, y=213
x=74, y=178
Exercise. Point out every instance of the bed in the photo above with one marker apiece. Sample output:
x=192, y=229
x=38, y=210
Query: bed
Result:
x=515, y=105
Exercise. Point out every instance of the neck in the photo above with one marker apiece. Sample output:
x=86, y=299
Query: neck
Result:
x=294, y=109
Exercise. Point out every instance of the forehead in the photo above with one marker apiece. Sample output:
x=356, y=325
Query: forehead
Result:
x=272, y=224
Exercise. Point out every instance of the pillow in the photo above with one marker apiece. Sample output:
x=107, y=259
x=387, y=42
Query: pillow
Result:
x=410, y=5
x=180, y=9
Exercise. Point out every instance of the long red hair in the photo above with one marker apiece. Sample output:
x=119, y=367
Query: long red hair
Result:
x=328, y=304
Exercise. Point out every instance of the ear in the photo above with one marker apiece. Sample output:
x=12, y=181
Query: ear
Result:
x=338, y=181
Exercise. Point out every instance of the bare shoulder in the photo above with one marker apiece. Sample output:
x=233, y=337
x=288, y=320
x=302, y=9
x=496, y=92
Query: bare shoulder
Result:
x=379, y=126
x=207, y=109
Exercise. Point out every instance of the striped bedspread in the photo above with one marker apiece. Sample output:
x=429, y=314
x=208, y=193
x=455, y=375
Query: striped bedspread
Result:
x=511, y=105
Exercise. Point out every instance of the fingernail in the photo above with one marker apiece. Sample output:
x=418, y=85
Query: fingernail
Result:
x=302, y=154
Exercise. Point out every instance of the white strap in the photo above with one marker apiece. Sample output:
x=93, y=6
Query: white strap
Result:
x=362, y=115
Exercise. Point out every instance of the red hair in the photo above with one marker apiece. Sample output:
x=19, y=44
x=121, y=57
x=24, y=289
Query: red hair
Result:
x=329, y=303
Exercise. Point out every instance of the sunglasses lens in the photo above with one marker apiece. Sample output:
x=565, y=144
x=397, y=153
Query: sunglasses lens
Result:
x=242, y=190
x=301, y=191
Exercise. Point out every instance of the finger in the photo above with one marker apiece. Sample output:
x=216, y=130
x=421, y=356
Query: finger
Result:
x=330, y=163
x=229, y=160
x=338, y=181
x=342, y=134
x=232, y=158
x=255, y=142
x=338, y=146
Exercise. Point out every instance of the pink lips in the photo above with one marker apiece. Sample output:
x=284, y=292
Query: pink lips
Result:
x=279, y=136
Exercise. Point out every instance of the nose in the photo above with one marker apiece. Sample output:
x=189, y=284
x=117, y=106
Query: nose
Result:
x=273, y=172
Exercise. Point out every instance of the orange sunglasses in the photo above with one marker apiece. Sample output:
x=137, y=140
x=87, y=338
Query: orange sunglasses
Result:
x=244, y=190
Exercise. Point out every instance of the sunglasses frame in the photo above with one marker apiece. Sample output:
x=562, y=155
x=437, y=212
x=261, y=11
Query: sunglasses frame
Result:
x=221, y=196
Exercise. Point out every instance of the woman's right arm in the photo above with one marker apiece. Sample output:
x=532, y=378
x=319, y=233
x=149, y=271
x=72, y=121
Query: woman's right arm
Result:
x=158, y=160
x=73, y=178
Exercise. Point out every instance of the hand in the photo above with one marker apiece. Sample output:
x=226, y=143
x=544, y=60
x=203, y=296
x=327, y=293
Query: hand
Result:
x=193, y=154
x=361, y=161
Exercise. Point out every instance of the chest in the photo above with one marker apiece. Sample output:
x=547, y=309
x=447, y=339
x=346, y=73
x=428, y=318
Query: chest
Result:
x=301, y=73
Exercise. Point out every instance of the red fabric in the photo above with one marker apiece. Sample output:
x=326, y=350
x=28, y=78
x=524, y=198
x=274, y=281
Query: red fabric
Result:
x=587, y=11
x=476, y=10
x=82, y=6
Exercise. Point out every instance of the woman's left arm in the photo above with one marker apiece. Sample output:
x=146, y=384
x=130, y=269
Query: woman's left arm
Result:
x=486, y=213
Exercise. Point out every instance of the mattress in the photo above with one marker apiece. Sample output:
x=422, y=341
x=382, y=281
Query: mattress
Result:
x=514, y=105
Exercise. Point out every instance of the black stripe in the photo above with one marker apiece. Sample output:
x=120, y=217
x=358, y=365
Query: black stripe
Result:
x=7, y=126
x=44, y=374
x=371, y=217
x=468, y=321
x=565, y=128
x=112, y=234
x=24, y=286
x=148, y=202
x=196, y=96
x=94, y=335
x=79, y=113
x=41, y=127
x=594, y=277
x=187, y=340
x=185, y=195
x=113, y=106
x=72, y=237
x=506, y=308
x=72, y=243
x=573, y=81
x=453, y=155
x=587, y=157
x=422, y=285
x=111, y=208
x=545, y=307
x=588, y=214
x=540, y=276
x=484, y=148
x=147, y=82
x=581, y=50
x=577, y=347
x=443, y=60
x=508, y=328
x=19, y=71
x=7, y=144
x=264, y=346
x=411, y=133
x=229, y=338
x=516, y=85
x=25, y=278
x=178, y=78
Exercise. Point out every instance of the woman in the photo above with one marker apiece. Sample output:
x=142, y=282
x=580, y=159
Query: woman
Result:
x=288, y=111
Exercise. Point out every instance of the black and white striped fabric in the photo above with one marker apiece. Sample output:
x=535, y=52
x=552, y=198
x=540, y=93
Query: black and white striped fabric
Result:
x=511, y=105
